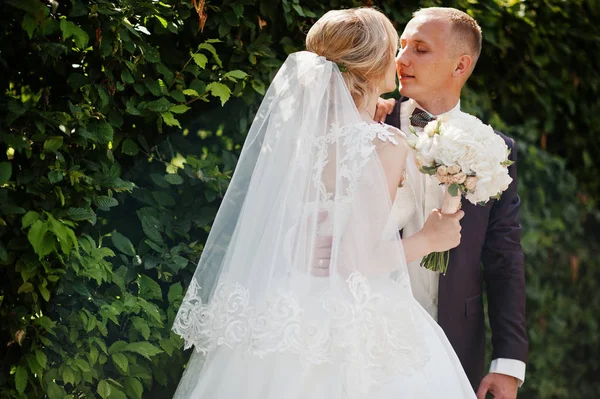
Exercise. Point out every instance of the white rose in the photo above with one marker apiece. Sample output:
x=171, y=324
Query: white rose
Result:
x=471, y=182
x=454, y=169
x=459, y=178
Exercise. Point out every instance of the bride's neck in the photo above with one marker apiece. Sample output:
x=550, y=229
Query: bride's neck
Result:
x=367, y=109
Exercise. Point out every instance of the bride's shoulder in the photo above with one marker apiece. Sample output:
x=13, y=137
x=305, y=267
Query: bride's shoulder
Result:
x=380, y=133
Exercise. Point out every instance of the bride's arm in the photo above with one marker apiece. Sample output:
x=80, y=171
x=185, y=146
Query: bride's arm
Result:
x=393, y=161
x=440, y=232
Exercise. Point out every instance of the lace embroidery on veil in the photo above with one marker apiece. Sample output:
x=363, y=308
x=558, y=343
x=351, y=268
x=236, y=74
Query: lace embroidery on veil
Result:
x=373, y=333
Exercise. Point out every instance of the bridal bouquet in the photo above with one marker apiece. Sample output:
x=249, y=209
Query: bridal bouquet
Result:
x=469, y=158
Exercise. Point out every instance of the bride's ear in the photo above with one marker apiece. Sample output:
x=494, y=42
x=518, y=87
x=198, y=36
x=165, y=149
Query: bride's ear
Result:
x=463, y=66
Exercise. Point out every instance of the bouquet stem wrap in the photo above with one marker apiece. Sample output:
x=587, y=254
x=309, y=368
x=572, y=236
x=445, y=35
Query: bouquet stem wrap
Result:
x=438, y=261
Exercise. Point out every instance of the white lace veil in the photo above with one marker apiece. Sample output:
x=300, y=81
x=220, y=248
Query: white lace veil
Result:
x=309, y=170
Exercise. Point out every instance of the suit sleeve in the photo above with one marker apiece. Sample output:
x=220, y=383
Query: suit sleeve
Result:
x=504, y=272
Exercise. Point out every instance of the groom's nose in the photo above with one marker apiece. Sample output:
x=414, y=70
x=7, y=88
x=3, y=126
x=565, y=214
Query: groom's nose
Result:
x=402, y=58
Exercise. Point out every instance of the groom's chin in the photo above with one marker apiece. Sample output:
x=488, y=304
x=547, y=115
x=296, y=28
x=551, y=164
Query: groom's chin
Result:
x=404, y=92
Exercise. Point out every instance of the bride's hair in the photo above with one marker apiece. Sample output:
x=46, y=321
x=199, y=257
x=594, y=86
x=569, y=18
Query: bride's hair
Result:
x=362, y=41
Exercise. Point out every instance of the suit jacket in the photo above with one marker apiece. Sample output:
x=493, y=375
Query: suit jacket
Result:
x=490, y=252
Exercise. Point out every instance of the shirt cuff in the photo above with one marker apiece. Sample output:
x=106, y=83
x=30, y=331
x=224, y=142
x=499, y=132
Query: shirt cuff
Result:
x=514, y=368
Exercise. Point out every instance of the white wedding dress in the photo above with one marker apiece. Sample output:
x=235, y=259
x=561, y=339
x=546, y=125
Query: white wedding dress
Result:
x=265, y=327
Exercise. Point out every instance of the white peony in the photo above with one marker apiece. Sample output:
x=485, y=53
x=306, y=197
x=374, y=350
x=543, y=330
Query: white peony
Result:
x=463, y=144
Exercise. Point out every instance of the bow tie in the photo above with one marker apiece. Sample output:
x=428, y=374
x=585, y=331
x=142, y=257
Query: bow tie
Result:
x=420, y=118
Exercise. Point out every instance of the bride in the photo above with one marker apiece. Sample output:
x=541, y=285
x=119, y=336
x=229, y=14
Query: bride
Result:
x=267, y=318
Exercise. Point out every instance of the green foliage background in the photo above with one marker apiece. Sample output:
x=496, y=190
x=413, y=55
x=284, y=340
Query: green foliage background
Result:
x=120, y=123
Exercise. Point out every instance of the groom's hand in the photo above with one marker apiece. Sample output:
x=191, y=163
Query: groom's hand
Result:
x=384, y=108
x=501, y=386
x=322, y=256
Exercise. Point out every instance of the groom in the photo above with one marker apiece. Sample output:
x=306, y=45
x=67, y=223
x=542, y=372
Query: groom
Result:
x=439, y=49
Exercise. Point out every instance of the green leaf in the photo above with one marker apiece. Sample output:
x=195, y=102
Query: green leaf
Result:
x=101, y=131
x=55, y=176
x=41, y=242
x=83, y=365
x=224, y=30
x=34, y=367
x=173, y=178
x=134, y=387
x=236, y=74
x=180, y=262
x=53, y=144
x=207, y=46
x=79, y=35
x=179, y=109
x=200, y=60
x=29, y=218
x=145, y=349
x=77, y=80
x=453, y=189
x=45, y=293
x=122, y=243
x=163, y=198
x=10, y=209
x=25, y=288
x=238, y=9
x=219, y=90
x=21, y=379
x=169, y=119
x=198, y=86
x=231, y=18
x=93, y=355
x=41, y=358
x=5, y=172
x=79, y=214
x=65, y=235
x=177, y=95
x=151, y=227
x=259, y=87
x=166, y=72
x=154, y=88
x=175, y=292
x=4, y=252
x=67, y=375
x=121, y=362
x=126, y=76
x=104, y=389
x=129, y=147
x=29, y=25
x=149, y=289
x=155, y=247
x=191, y=92
x=141, y=326
x=160, y=105
x=139, y=88
x=104, y=202
x=162, y=21
x=55, y=391
x=116, y=347
x=116, y=393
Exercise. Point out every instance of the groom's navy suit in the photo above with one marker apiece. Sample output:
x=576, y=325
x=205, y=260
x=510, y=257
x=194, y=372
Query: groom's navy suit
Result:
x=491, y=237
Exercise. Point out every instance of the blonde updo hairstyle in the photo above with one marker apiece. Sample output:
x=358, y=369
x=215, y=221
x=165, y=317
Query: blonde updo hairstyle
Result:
x=362, y=40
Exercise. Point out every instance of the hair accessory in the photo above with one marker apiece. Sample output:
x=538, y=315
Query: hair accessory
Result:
x=341, y=67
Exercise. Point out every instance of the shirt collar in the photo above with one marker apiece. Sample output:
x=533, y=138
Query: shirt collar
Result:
x=412, y=104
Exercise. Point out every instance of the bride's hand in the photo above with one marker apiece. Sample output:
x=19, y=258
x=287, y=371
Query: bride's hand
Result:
x=442, y=230
x=384, y=108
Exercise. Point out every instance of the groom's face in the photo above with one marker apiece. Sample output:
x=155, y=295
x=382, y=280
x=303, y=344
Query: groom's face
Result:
x=424, y=62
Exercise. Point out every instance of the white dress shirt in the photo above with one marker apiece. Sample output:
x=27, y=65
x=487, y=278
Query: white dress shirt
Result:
x=429, y=195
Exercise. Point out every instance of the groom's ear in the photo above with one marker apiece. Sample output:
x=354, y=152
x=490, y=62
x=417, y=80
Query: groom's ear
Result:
x=463, y=67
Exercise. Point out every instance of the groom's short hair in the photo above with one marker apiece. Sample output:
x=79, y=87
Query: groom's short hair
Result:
x=466, y=30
